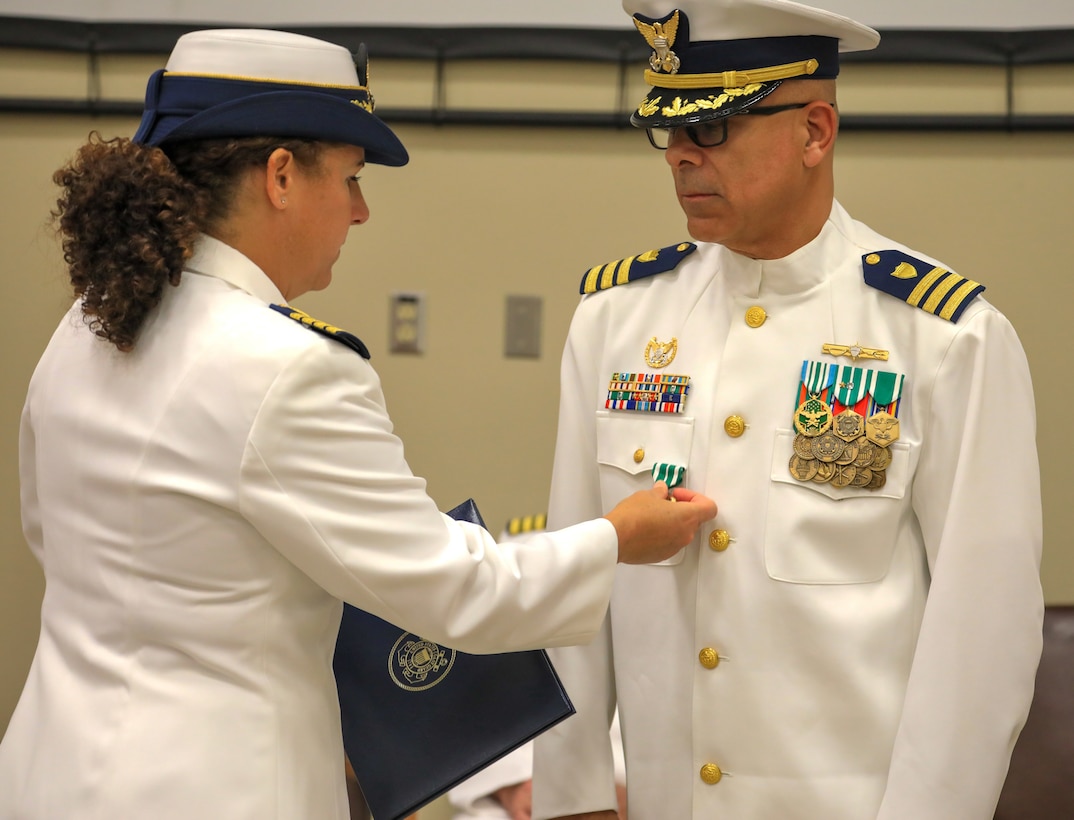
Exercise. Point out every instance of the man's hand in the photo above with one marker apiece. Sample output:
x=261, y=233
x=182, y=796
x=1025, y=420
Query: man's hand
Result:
x=653, y=525
x=592, y=815
x=516, y=799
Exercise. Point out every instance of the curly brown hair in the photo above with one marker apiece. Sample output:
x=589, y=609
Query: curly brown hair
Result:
x=129, y=216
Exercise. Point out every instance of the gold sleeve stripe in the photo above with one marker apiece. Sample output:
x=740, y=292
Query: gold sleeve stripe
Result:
x=968, y=287
x=607, y=275
x=591, y=279
x=603, y=277
x=923, y=286
x=528, y=523
x=949, y=283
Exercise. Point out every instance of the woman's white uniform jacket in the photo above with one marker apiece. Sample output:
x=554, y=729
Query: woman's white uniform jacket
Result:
x=200, y=507
x=819, y=652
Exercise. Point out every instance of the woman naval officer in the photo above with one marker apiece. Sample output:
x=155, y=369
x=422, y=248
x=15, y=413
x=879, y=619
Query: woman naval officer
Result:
x=204, y=479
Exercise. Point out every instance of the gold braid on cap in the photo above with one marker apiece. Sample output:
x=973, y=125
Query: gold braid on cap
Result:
x=732, y=79
x=249, y=79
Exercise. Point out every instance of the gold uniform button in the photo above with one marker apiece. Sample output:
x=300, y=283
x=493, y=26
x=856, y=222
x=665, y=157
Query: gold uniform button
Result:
x=719, y=540
x=709, y=657
x=639, y=454
x=711, y=774
x=734, y=426
x=755, y=316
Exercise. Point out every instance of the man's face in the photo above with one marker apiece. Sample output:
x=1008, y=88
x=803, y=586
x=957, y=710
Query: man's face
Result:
x=746, y=193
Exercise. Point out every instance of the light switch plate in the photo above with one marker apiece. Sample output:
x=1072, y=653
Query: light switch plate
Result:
x=522, y=328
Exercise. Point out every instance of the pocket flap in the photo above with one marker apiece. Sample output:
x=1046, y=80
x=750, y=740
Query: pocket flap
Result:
x=633, y=443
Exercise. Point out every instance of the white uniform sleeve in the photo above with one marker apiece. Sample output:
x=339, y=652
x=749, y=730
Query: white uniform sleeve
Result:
x=574, y=768
x=977, y=498
x=325, y=481
x=28, y=501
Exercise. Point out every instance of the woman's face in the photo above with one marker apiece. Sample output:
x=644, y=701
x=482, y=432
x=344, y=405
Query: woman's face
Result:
x=324, y=203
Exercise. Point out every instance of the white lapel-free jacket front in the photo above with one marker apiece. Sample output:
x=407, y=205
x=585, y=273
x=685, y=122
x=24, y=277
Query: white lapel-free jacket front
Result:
x=845, y=654
x=200, y=507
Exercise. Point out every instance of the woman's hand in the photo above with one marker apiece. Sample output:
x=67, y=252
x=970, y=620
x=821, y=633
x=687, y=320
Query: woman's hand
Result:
x=654, y=524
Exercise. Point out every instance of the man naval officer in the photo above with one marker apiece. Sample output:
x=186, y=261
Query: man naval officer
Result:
x=856, y=634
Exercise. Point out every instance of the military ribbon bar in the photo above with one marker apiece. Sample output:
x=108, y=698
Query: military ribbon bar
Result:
x=817, y=378
x=849, y=387
x=887, y=392
x=647, y=392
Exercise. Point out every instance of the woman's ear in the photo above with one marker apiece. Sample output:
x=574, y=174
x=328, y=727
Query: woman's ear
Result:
x=279, y=177
x=822, y=122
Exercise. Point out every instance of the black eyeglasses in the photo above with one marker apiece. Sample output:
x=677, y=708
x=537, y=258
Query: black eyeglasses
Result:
x=710, y=133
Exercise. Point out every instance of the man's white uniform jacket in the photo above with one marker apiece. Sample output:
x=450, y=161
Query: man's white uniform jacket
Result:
x=200, y=507
x=820, y=653
x=474, y=798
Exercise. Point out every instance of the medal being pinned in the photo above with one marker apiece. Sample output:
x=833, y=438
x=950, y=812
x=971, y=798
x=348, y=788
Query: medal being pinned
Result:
x=846, y=417
x=670, y=474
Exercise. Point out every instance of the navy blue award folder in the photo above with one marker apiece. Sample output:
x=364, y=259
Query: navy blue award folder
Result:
x=419, y=718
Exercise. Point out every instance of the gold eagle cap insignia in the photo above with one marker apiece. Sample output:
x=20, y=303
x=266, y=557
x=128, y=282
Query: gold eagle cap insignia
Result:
x=661, y=36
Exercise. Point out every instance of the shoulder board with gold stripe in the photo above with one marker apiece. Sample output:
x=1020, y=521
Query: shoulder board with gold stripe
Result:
x=919, y=283
x=349, y=339
x=634, y=268
x=526, y=523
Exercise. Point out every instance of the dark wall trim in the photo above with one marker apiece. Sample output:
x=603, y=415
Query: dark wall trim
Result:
x=623, y=47
x=979, y=123
x=987, y=47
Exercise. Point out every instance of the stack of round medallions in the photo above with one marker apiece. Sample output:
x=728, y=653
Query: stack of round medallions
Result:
x=844, y=450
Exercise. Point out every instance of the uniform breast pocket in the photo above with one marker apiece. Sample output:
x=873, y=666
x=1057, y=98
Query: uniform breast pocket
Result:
x=629, y=445
x=817, y=533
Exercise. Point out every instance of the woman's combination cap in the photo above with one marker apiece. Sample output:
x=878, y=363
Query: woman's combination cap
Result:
x=715, y=58
x=251, y=82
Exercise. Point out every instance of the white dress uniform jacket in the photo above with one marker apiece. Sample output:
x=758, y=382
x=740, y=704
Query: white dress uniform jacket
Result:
x=871, y=653
x=200, y=507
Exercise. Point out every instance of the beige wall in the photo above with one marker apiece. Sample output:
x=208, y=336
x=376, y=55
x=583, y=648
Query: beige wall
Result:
x=481, y=213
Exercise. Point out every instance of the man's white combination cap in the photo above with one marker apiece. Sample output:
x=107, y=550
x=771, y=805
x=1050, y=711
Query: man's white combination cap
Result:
x=250, y=82
x=714, y=58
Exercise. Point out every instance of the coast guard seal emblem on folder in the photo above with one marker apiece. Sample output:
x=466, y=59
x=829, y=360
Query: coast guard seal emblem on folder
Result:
x=416, y=664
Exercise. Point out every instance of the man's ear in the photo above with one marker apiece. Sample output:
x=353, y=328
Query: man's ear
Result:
x=822, y=122
x=279, y=177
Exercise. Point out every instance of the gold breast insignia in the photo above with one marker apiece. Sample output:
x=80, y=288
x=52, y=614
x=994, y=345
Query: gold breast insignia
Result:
x=661, y=354
x=855, y=351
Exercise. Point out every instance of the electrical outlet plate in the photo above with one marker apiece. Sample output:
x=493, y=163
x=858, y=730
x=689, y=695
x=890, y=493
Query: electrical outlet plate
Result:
x=406, y=323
